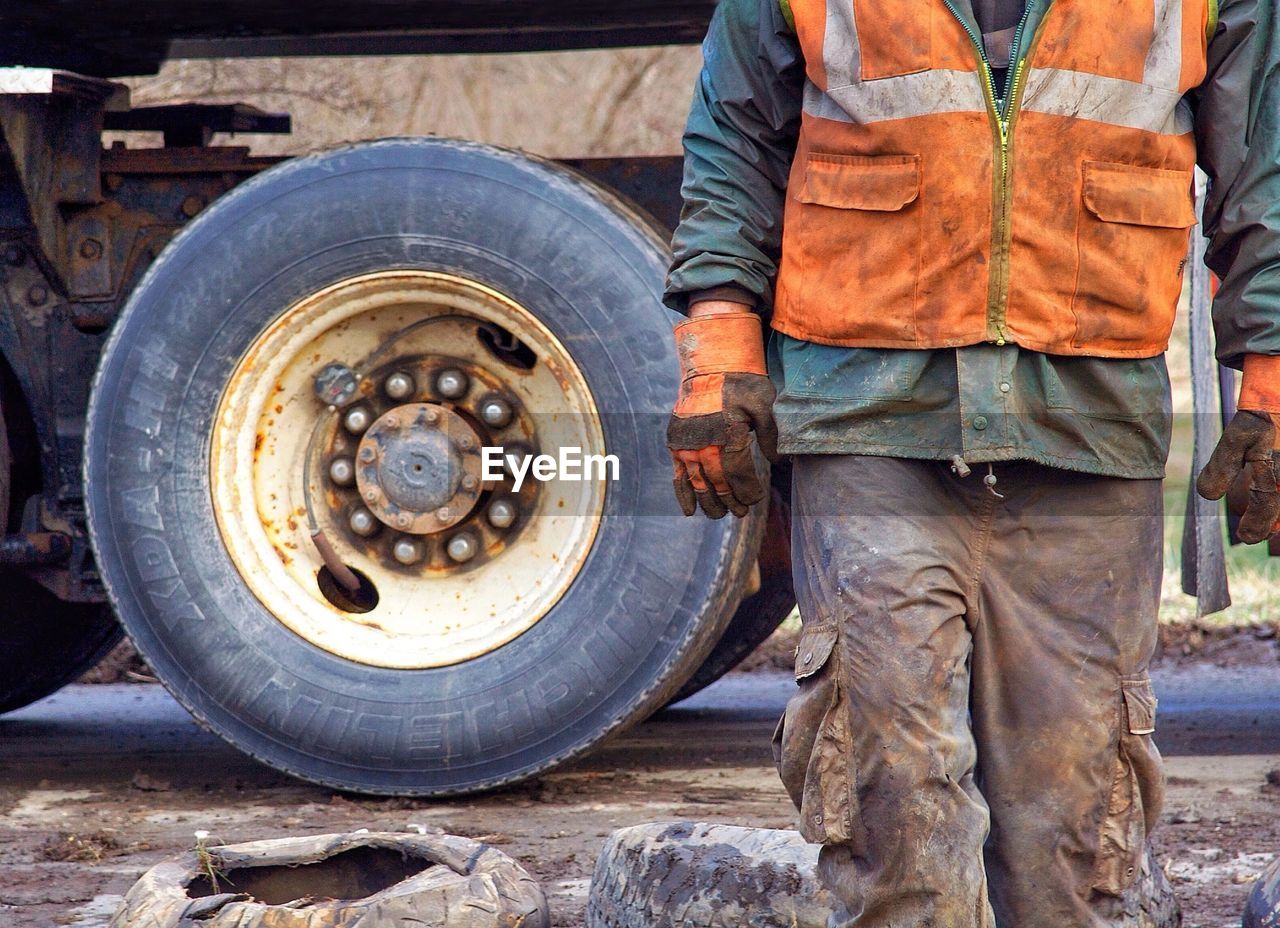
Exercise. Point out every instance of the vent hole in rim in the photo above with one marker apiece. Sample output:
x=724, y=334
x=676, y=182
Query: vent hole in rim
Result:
x=508, y=349
x=364, y=599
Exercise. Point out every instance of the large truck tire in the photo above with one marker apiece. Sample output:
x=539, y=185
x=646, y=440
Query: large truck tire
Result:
x=433, y=278
x=756, y=619
x=772, y=601
x=700, y=875
x=45, y=643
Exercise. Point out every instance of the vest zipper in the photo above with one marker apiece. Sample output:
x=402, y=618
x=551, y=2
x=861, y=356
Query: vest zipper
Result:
x=1003, y=112
x=1002, y=238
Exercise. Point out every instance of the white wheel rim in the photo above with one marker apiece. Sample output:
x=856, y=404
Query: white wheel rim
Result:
x=259, y=443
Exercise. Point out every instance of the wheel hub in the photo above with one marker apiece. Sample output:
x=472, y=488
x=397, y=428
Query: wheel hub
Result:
x=419, y=468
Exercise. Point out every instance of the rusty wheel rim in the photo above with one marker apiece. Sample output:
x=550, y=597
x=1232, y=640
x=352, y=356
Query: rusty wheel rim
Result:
x=458, y=566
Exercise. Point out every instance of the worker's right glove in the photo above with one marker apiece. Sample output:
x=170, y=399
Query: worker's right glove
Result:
x=725, y=395
x=1249, y=450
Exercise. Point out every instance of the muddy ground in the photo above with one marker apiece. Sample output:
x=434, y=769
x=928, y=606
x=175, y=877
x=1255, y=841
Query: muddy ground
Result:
x=100, y=782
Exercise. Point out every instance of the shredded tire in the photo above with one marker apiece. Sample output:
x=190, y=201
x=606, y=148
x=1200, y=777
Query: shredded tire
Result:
x=448, y=881
x=699, y=875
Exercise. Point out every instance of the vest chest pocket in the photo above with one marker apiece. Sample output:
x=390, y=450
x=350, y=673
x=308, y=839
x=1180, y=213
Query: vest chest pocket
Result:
x=1131, y=246
x=856, y=230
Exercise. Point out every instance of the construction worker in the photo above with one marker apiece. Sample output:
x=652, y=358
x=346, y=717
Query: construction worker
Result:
x=967, y=228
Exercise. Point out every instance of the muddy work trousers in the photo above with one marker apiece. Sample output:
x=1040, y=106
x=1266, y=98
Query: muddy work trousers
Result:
x=971, y=737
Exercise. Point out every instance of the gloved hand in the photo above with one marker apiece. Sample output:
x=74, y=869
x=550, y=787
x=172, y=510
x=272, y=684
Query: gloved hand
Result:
x=1249, y=451
x=725, y=395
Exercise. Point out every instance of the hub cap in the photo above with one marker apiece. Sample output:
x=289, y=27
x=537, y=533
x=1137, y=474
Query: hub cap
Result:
x=419, y=468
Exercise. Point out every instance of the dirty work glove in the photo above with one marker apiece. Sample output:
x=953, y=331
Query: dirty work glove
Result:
x=725, y=395
x=1248, y=451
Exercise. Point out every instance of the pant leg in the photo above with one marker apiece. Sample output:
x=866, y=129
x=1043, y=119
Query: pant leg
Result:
x=875, y=748
x=1062, y=704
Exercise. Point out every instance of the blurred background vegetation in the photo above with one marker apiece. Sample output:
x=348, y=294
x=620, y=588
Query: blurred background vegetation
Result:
x=580, y=104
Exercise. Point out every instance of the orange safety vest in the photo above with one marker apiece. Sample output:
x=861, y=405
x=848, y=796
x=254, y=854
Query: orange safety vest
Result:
x=920, y=216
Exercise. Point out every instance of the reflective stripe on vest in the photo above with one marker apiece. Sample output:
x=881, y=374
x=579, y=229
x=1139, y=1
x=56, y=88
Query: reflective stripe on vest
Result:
x=846, y=97
x=920, y=214
x=1153, y=104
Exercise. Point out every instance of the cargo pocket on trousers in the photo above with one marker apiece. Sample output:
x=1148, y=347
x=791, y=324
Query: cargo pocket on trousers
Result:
x=1136, y=794
x=813, y=747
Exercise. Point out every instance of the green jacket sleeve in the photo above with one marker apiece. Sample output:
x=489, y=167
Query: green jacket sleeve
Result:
x=1237, y=116
x=738, y=144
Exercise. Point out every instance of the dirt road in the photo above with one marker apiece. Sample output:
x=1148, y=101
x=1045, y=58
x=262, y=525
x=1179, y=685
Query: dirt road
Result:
x=97, y=783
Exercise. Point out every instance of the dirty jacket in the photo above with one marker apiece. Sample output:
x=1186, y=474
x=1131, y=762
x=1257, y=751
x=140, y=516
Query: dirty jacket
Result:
x=743, y=174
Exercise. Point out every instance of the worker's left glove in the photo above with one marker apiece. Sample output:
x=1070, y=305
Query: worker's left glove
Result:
x=725, y=395
x=1250, y=451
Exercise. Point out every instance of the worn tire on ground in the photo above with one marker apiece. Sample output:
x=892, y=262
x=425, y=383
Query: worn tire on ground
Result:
x=699, y=875
x=1263, y=908
x=370, y=880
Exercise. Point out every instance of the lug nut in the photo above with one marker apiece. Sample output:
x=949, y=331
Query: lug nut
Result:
x=342, y=471
x=462, y=547
x=399, y=386
x=444, y=514
x=407, y=551
x=363, y=523
x=468, y=482
x=502, y=514
x=515, y=458
x=495, y=412
x=452, y=383
x=357, y=420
